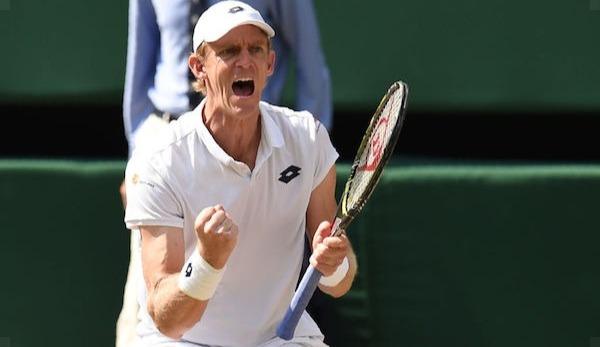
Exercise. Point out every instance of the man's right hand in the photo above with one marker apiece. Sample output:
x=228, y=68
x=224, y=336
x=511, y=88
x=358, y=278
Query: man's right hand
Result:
x=217, y=235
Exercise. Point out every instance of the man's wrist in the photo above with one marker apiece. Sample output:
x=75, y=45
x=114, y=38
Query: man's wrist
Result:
x=337, y=276
x=198, y=279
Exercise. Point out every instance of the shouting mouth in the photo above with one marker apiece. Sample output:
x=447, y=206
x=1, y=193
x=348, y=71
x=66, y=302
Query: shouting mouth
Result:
x=243, y=87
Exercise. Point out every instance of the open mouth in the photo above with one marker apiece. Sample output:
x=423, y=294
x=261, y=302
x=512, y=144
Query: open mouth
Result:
x=243, y=87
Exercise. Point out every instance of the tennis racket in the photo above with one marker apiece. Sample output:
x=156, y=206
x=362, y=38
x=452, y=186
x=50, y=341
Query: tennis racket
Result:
x=373, y=153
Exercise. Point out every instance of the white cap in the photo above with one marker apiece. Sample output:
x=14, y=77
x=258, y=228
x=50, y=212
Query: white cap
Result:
x=223, y=16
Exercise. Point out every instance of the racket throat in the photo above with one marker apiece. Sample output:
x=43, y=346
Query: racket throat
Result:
x=336, y=230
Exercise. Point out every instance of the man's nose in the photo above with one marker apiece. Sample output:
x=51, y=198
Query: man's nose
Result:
x=244, y=57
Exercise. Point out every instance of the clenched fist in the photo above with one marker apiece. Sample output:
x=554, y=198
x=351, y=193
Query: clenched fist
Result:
x=217, y=235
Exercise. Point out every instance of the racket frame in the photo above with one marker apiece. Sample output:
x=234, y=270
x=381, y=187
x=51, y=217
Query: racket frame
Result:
x=344, y=214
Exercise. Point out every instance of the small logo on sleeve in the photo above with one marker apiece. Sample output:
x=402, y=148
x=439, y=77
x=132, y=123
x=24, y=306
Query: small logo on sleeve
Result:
x=135, y=179
x=289, y=174
x=188, y=270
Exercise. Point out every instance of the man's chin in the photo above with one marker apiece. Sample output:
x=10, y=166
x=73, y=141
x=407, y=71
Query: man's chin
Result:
x=245, y=101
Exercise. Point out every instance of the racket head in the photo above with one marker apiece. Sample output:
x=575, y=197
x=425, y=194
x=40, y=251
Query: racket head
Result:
x=375, y=149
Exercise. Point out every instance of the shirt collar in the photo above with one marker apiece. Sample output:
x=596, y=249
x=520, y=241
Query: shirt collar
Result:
x=271, y=136
x=271, y=132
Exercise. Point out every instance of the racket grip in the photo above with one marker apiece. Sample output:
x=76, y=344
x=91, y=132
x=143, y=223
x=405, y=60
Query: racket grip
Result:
x=305, y=290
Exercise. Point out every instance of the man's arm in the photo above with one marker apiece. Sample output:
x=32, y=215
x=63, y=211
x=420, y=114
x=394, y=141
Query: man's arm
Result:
x=328, y=251
x=297, y=24
x=163, y=251
x=172, y=311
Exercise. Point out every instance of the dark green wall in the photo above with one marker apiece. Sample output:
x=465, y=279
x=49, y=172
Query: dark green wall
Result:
x=63, y=253
x=494, y=255
x=67, y=50
x=499, y=55
x=449, y=255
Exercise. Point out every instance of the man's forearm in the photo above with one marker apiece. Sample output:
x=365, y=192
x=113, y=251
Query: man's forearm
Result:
x=173, y=311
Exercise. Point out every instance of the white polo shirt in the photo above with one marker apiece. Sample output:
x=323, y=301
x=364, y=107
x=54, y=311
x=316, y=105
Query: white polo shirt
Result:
x=188, y=171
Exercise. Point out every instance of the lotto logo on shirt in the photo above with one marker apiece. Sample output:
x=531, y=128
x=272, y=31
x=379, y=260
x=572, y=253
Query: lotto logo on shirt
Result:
x=289, y=174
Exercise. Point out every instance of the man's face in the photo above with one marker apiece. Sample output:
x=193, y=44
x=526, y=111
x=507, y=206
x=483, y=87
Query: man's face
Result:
x=237, y=67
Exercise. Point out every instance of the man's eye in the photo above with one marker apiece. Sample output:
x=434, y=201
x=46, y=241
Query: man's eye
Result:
x=228, y=52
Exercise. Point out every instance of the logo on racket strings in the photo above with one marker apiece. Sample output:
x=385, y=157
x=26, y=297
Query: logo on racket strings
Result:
x=376, y=146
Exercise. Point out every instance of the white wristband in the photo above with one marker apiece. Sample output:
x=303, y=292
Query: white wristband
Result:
x=335, y=278
x=198, y=279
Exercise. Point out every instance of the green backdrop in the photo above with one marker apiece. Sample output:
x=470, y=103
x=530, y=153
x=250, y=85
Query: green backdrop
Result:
x=449, y=255
x=499, y=55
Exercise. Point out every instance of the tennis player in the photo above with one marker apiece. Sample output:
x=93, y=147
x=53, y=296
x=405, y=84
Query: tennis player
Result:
x=223, y=201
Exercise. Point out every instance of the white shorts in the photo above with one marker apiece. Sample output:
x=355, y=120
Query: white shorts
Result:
x=276, y=342
x=296, y=342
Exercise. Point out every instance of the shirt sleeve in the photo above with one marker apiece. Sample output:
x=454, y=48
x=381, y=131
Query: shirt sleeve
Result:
x=143, y=38
x=297, y=25
x=150, y=199
x=326, y=154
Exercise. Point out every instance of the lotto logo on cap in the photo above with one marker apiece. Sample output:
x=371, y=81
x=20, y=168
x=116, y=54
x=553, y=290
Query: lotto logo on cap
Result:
x=223, y=16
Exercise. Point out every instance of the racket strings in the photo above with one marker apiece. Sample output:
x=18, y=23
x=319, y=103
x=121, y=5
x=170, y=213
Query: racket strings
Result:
x=370, y=160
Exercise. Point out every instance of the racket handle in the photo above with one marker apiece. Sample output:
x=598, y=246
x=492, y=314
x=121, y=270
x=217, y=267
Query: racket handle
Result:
x=305, y=290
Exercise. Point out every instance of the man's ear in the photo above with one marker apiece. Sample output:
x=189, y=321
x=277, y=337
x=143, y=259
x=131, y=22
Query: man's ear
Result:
x=271, y=63
x=197, y=67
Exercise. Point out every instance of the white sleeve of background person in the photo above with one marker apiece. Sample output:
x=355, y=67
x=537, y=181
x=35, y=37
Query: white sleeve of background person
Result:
x=147, y=133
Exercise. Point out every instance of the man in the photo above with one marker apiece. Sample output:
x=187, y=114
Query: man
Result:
x=157, y=88
x=224, y=198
